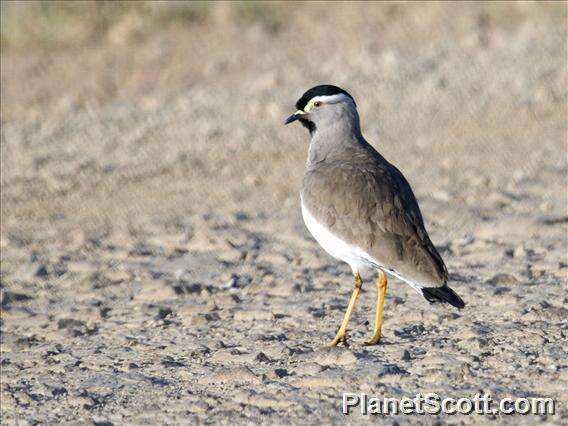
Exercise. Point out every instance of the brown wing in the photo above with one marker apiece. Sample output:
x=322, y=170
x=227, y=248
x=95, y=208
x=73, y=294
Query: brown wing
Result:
x=367, y=201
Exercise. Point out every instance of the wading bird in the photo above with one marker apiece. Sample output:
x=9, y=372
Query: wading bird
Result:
x=361, y=209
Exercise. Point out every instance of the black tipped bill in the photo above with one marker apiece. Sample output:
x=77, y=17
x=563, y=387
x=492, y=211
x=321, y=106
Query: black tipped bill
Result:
x=292, y=118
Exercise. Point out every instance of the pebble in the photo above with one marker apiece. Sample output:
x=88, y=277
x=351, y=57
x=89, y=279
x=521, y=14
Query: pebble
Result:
x=8, y=298
x=237, y=375
x=329, y=356
x=391, y=369
x=503, y=279
x=253, y=316
x=263, y=400
x=319, y=381
x=42, y=272
x=155, y=291
x=117, y=277
x=277, y=373
x=261, y=357
x=561, y=273
x=308, y=368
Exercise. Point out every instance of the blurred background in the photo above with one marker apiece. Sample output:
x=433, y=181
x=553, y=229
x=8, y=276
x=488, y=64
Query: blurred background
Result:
x=145, y=168
x=114, y=112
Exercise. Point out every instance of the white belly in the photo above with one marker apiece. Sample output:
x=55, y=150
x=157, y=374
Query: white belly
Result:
x=335, y=246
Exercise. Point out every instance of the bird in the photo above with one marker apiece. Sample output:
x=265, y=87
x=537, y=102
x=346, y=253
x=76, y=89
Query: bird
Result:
x=361, y=209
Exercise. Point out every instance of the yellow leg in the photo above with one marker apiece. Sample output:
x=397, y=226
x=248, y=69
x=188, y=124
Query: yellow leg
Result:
x=381, y=292
x=341, y=335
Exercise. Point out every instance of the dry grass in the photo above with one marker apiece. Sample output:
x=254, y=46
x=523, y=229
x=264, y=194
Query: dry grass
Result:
x=48, y=24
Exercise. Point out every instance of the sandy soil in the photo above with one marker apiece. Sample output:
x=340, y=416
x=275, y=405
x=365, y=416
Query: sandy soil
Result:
x=155, y=267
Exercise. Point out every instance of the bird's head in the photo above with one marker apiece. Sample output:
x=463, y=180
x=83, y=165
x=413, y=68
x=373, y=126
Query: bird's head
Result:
x=323, y=106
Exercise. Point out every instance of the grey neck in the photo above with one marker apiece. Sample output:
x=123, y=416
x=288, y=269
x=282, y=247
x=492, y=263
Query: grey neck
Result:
x=330, y=140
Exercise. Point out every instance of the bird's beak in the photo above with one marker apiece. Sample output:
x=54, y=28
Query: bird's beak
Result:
x=298, y=114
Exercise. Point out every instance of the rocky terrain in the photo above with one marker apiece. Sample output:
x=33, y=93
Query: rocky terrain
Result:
x=154, y=264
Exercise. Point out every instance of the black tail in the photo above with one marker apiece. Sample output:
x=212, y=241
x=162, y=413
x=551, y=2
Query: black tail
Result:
x=442, y=294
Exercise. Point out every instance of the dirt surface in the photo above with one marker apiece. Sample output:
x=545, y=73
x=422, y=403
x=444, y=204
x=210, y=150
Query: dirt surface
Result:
x=155, y=267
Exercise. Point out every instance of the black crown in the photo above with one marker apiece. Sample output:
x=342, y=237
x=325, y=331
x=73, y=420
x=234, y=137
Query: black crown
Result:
x=322, y=90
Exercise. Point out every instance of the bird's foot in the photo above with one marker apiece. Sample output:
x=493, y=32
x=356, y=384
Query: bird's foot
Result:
x=341, y=337
x=374, y=341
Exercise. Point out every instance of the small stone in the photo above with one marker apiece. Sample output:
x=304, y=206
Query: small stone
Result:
x=280, y=372
x=272, y=258
x=226, y=300
x=117, y=277
x=411, y=331
x=392, y=370
x=441, y=195
x=261, y=357
x=561, y=273
x=212, y=316
x=239, y=375
x=198, y=320
x=77, y=327
x=538, y=269
x=241, y=216
x=169, y=361
x=155, y=292
x=501, y=279
x=22, y=399
x=557, y=220
x=164, y=312
x=230, y=283
x=234, y=355
x=465, y=241
x=320, y=381
x=184, y=288
x=10, y=297
x=79, y=401
x=69, y=323
x=81, y=267
x=308, y=369
x=334, y=356
x=519, y=252
x=283, y=290
x=42, y=272
x=102, y=422
x=231, y=256
x=202, y=319
x=58, y=390
x=254, y=316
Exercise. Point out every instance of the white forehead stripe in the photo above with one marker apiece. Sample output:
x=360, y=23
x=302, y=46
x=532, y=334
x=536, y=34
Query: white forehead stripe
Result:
x=333, y=99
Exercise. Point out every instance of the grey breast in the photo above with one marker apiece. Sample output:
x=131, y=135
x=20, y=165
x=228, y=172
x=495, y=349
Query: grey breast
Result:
x=366, y=201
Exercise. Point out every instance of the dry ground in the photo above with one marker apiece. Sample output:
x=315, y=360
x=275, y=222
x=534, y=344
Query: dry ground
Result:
x=155, y=268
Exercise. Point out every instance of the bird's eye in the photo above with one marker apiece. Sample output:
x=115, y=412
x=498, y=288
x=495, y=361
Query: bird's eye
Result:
x=317, y=104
